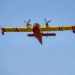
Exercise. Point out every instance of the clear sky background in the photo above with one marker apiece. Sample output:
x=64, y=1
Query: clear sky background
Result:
x=22, y=55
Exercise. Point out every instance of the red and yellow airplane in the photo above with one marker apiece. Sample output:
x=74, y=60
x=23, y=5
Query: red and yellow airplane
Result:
x=38, y=31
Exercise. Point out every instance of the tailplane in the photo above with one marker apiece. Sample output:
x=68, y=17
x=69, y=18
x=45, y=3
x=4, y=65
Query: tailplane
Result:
x=48, y=34
x=43, y=34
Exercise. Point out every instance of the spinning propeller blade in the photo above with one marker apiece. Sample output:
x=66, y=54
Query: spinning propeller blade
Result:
x=46, y=22
x=28, y=23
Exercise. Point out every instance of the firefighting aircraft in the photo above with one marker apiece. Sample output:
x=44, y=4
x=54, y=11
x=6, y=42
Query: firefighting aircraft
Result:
x=38, y=31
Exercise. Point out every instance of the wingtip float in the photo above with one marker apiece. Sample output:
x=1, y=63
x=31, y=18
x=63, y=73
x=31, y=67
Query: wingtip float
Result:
x=38, y=31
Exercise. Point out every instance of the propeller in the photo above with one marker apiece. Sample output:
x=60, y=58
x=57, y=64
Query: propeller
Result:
x=28, y=23
x=46, y=22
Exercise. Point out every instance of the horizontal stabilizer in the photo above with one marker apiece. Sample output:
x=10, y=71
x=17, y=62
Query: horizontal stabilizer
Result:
x=31, y=35
x=48, y=34
x=43, y=34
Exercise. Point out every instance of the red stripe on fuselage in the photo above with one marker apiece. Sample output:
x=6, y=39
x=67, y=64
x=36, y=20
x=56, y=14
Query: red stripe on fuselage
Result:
x=37, y=33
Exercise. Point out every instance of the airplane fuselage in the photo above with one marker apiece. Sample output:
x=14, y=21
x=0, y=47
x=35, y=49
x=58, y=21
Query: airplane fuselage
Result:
x=37, y=32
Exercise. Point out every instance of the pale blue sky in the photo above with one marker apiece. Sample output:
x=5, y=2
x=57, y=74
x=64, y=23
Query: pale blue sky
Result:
x=21, y=55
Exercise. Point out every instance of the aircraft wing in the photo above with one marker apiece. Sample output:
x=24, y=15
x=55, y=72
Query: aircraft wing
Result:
x=42, y=28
